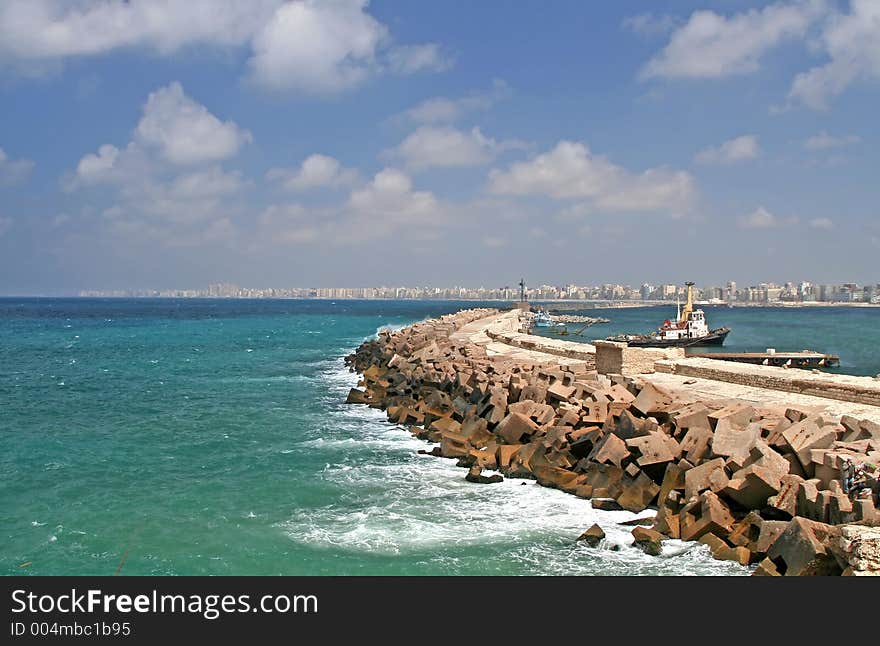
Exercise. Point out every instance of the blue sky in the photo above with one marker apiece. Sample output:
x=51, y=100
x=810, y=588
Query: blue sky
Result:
x=172, y=144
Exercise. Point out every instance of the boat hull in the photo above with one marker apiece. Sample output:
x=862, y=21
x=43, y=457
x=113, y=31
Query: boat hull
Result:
x=715, y=337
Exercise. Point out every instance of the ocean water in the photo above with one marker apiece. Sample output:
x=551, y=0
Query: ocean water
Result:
x=852, y=333
x=196, y=437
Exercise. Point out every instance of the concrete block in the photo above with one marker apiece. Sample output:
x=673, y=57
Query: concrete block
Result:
x=648, y=540
x=752, y=486
x=695, y=444
x=696, y=480
x=516, y=428
x=637, y=494
x=766, y=568
x=734, y=441
x=653, y=448
x=737, y=414
x=804, y=549
x=610, y=450
x=706, y=514
x=805, y=435
x=538, y=412
x=786, y=500
x=505, y=453
x=652, y=399
x=770, y=531
x=592, y=536
x=691, y=415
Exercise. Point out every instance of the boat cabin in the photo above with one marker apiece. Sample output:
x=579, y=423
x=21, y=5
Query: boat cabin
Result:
x=692, y=325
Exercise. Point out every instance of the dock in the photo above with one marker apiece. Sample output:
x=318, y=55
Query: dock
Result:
x=805, y=359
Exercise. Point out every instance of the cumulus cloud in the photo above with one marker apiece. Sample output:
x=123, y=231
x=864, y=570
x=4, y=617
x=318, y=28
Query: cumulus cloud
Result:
x=390, y=197
x=96, y=167
x=386, y=206
x=711, y=45
x=572, y=171
x=319, y=47
x=323, y=47
x=13, y=171
x=43, y=30
x=445, y=146
x=822, y=223
x=731, y=151
x=173, y=131
x=185, y=132
x=824, y=141
x=316, y=171
x=852, y=43
x=761, y=218
x=315, y=46
x=442, y=109
x=167, y=183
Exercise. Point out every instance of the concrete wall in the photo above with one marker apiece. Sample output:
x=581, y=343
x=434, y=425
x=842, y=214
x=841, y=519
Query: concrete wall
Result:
x=861, y=390
x=613, y=357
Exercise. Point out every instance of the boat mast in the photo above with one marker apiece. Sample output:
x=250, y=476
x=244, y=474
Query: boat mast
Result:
x=689, y=306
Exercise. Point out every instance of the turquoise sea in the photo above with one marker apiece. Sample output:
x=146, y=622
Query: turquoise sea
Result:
x=210, y=437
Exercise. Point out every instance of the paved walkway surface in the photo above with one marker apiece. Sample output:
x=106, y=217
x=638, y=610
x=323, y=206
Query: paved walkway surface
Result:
x=695, y=388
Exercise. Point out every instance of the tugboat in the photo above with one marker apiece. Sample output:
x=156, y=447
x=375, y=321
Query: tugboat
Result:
x=689, y=329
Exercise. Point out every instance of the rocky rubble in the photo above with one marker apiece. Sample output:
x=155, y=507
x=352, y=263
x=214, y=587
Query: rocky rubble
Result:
x=757, y=485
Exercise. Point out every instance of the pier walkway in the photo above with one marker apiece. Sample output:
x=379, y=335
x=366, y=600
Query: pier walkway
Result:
x=693, y=378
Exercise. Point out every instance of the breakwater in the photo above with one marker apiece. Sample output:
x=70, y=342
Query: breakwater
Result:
x=758, y=482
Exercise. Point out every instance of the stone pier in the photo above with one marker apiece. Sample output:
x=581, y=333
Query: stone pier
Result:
x=770, y=467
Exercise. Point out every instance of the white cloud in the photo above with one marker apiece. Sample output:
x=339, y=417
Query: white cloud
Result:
x=13, y=172
x=166, y=184
x=5, y=225
x=96, y=167
x=761, y=218
x=315, y=46
x=731, y=151
x=44, y=30
x=822, y=223
x=209, y=183
x=647, y=24
x=390, y=197
x=824, y=141
x=173, y=131
x=387, y=206
x=324, y=47
x=852, y=42
x=445, y=110
x=570, y=170
x=445, y=146
x=710, y=45
x=320, y=47
x=185, y=132
x=316, y=171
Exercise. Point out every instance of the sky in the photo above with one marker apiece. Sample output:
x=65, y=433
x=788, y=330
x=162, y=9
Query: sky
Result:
x=161, y=144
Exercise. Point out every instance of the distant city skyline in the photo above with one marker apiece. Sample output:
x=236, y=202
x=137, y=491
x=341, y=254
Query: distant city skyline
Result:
x=303, y=142
x=731, y=292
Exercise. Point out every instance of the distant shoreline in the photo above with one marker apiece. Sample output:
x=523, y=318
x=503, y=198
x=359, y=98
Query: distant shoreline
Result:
x=587, y=304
